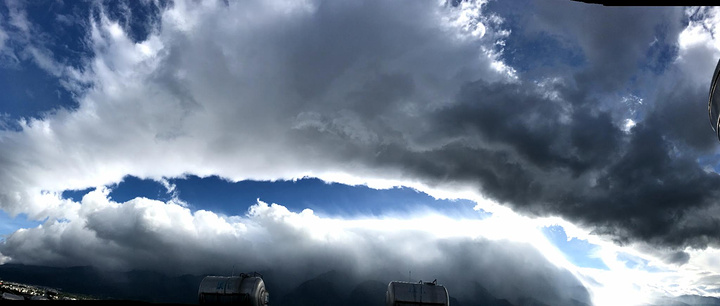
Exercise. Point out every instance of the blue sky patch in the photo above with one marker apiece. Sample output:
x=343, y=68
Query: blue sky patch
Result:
x=59, y=31
x=29, y=91
x=75, y=195
x=132, y=187
x=333, y=199
x=635, y=262
x=8, y=224
x=579, y=252
x=545, y=49
x=329, y=199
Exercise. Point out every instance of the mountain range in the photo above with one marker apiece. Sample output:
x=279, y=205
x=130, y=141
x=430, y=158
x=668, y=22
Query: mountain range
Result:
x=328, y=288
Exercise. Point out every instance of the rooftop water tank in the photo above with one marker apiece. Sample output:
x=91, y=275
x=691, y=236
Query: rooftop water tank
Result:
x=244, y=289
x=416, y=294
x=12, y=297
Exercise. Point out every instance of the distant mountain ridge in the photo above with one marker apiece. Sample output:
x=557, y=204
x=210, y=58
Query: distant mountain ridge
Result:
x=329, y=288
x=688, y=300
x=132, y=285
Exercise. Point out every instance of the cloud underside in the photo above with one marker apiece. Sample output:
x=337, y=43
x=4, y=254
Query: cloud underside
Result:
x=280, y=90
x=152, y=235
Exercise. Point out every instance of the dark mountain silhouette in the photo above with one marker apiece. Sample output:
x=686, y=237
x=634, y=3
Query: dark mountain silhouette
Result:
x=688, y=300
x=334, y=288
x=368, y=293
x=528, y=301
x=478, y=295
x=132, y=285
x=326, y=289
x=329, y=288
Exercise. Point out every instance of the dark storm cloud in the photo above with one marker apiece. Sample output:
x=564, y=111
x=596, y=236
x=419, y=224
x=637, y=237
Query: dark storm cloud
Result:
x=512, y=143
x=569, y=155
x=680, y=107
x=363, y=90
x=680, y=258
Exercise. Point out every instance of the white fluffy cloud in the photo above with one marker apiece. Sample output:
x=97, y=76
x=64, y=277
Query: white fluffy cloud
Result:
x=149, y=234
x=699, y=46
x=222, y=90
x=236, y=91
x=285, y=89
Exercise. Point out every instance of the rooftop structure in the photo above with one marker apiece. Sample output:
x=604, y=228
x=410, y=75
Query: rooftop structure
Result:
x=416, y=294
x=244, y=289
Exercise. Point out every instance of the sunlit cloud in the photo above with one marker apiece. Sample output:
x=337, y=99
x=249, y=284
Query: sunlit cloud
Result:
x=602, y=147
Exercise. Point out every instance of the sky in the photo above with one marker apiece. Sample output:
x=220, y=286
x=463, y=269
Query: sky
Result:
x=493, y=141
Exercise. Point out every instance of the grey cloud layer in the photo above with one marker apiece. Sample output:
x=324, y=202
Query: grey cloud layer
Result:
x=567, y=153
x=274, y=90
x=147, y=234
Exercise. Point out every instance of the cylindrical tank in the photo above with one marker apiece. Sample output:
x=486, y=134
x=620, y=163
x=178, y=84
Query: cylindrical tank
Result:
x=714, y=102
x=406, y=293
x=244, y=289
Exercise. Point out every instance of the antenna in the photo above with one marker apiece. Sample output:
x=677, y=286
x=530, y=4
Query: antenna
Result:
x=233, y=271
x=410, y=276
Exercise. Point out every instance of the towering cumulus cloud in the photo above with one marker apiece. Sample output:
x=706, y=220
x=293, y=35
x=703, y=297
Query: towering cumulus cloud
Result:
x=601, y=124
